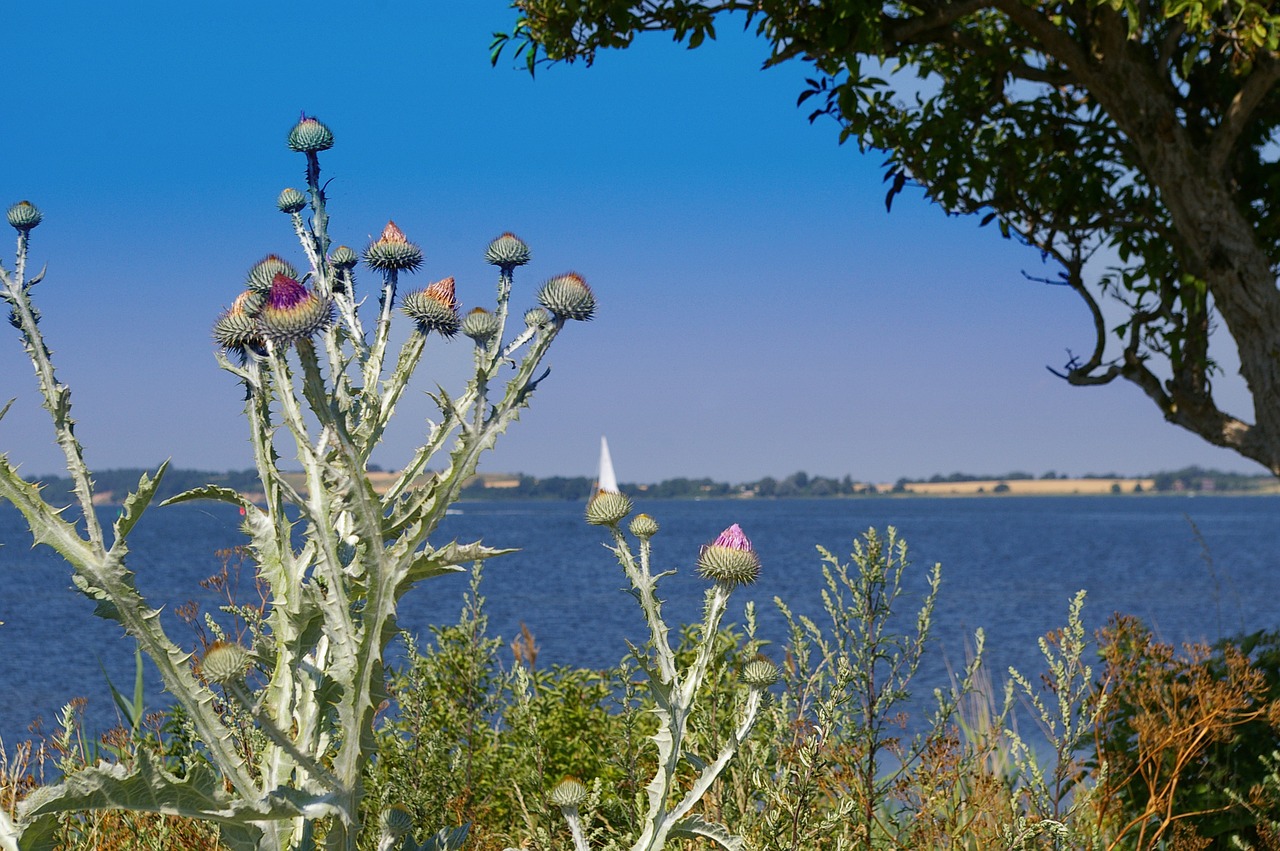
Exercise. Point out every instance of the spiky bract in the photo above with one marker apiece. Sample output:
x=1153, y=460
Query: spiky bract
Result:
x=434, y=309
x=237, y=329
x=24, y=216
x=607, y=508
x=393, y=252
x=291, y=201
x=535, y=316
x=730, y=560
x=569, y=792
x=507, y=251
x=643, y=526
x=568, y=296
x=265, y=271
x=310, y=136
x=224, y=662
x=760, y=673
x=343, y=258
x=480, y=325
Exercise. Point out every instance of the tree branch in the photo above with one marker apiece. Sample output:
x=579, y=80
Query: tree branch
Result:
x=1257, y=85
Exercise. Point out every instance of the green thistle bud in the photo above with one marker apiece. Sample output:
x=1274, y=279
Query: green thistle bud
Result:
x=730, y=560
x=224, y=662
x=309, y=136
x=396, y=820
x=291, y=201
x=292, y=312
x=393, y=251
x=343, y=258
x=535, y=316
x=568, y=794
x=568, y=296
x=760, y=673
x=480, y=325
x=607, y=508
x=23, y=216
x=644, y=527
x=507, y=251
x=434, y=309
x=237, y=329
x=265, y=271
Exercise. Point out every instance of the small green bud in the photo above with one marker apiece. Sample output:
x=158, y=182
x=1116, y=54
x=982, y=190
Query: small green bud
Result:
x=607, y=508
x=393, y=251
x=23, y=216
x=310, y=136
x=535, y=316
x=224, y=662
x=730, y=560
x=644, y=527
x=569, y=793
x=343, y=258
x=760, y=673
x=507, y=251
x=396, y=820
x=291, y=201
x=265, y=271
x=434, y=309
x=480, y=325
x=568, y=296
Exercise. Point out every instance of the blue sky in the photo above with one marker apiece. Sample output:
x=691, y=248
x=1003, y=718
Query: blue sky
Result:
x=760, y=313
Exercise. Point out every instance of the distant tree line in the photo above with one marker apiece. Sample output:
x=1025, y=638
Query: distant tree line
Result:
x=796, y=485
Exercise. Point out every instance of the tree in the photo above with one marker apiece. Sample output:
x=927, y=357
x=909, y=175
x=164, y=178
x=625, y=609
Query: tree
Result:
x=1141, y=130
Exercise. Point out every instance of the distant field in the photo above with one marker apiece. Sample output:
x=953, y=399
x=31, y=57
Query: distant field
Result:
x=1028, y=487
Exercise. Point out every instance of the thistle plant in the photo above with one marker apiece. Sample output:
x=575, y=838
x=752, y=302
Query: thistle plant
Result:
x=729, y=561
x=336, y=555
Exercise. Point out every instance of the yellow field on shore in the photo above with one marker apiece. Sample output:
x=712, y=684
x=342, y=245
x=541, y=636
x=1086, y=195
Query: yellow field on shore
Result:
x=1026, y=487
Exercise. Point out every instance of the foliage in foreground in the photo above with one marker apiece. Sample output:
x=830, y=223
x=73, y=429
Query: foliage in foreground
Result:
x=1156, y=747
x=280, y=717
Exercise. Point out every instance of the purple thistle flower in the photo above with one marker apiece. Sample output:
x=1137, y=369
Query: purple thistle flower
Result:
x=734, y=538
x=286, y=293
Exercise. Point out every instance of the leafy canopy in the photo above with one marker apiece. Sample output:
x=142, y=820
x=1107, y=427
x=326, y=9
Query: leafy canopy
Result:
x=1138, y=134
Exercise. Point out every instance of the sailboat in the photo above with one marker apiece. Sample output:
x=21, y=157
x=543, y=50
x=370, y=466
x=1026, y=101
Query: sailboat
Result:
x=606, y=481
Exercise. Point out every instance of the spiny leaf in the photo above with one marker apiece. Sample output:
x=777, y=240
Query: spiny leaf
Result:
x=449, y=558
x=692, y=827
x=137, y=503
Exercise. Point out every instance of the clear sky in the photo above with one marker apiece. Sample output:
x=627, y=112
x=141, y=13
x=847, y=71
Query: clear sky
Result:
x=759, y=311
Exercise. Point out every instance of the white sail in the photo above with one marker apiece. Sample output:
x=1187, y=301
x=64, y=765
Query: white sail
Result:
x=606, y=481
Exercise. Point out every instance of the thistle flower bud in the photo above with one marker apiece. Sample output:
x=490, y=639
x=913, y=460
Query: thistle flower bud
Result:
x=480, y=325
x=224, y=662
x=237, y=329
x=393, y=251
x=730, y=560
x=396, y=820
x=760, y=673
x=265, y=271
x=507, y=251
x=309, y=136
x=535, y=316
x=343, y=258
x=643, y=526
x=607, y=508
x=434, y=309
x=291, y=201
x=23, y=216
x=292, y=312
x=569, y=793
x=569, y=297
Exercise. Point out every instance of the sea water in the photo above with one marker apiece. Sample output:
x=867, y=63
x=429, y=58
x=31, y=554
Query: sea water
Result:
x=1195, y=569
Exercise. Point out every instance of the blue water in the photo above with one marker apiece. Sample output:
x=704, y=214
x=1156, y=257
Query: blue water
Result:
x=1196, y=569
